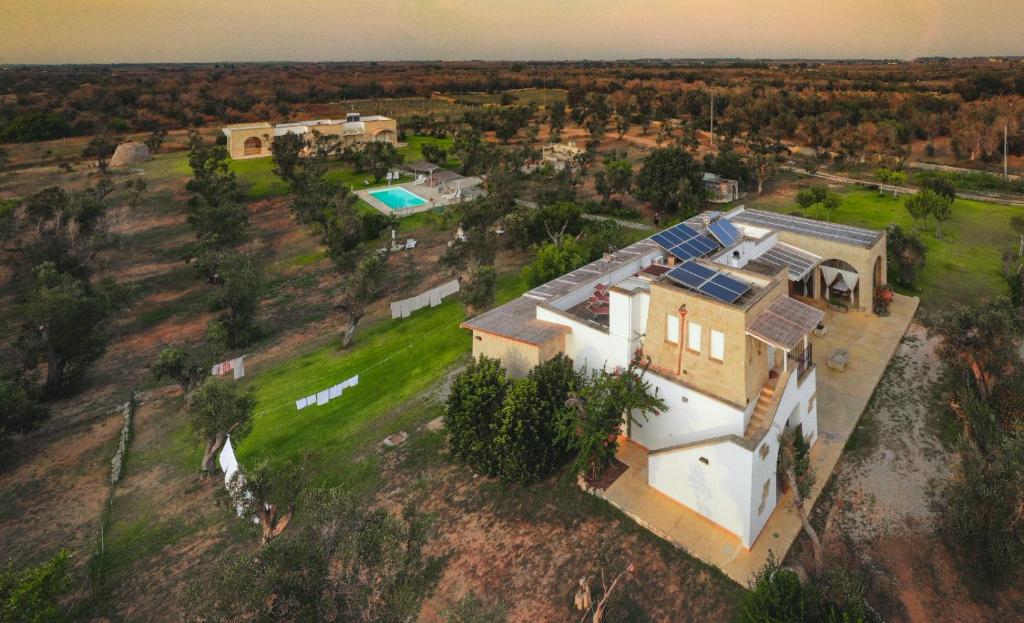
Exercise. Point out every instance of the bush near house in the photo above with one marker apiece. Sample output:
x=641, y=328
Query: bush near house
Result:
x=508, y=428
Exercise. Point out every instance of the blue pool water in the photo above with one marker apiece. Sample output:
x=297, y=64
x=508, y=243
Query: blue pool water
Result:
x=398, y=198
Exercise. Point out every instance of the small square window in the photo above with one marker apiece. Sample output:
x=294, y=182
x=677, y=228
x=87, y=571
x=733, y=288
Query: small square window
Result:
x=764, y=451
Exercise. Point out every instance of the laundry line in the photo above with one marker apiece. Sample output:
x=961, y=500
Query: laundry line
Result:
x=376, y=364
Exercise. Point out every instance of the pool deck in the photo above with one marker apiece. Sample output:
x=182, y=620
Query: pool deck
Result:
x=842, y=397
x=435, y=199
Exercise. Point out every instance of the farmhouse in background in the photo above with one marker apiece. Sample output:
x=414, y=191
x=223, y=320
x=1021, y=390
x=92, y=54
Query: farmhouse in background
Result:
x=252, y=140
x=723, y=306
x=720, y=189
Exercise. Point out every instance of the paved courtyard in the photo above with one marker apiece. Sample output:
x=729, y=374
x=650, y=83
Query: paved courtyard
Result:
x=842, y=397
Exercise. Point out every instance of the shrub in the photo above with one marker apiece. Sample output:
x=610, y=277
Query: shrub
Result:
x=509, y=428
x=775, y=596
x=476, y=395
x=554, y=260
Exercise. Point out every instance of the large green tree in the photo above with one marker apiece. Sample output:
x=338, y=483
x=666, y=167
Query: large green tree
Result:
x=555, y=260
x=594, y=419
x=65, y=325
x=34, y=594
x=343, y=563
x=216, y=410
x=671, y=180
x=360, y=287
x=238, y=296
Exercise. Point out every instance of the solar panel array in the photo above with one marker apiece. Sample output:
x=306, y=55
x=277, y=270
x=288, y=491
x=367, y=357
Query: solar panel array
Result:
x=708, y=281
x=684, y=243
x=725, y=232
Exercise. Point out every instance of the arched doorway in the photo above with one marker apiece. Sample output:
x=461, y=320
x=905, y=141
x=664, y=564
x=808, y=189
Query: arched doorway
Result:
x=384, y=136
x=840, y=283
x=879, y=275
x=253, y=146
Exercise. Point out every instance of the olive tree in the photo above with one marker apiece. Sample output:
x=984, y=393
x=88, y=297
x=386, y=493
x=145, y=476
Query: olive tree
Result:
x=216, y=410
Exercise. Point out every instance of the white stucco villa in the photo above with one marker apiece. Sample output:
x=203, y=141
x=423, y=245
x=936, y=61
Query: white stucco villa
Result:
x=722, y=305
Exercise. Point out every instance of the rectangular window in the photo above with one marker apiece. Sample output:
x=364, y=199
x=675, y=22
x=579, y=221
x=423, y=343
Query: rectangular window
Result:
x=672, y=328
x=764, y=451
x=810, y=402
x=693, y=337
x=703, y=460
x=717, y=345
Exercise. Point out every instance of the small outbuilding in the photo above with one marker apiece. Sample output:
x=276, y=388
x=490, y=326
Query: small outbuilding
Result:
x=128, y=154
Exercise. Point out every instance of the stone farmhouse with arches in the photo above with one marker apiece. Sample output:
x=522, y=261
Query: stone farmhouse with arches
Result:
x=252, y=140
x=723, y=306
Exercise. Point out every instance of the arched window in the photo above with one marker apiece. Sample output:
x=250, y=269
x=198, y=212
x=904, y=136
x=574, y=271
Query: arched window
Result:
x=253, y=146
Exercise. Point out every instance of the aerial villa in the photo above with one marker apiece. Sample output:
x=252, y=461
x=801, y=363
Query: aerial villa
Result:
x=722, y=306
x=252, y=140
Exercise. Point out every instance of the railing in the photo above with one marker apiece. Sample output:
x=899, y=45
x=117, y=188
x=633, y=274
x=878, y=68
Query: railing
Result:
x=803, y=361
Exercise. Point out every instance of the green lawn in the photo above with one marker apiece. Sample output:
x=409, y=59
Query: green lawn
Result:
x=414, y=145
x=962, y=267
x=396, y=360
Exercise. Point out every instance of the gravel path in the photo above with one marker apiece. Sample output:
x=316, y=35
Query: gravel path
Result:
x=886, y=484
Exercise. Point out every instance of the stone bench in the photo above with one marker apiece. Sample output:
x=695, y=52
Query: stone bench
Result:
x=838, y=359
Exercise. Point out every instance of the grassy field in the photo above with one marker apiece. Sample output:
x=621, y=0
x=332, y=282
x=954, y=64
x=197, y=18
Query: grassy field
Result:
x=961, y=267
x=257, y=177
x=396, y=360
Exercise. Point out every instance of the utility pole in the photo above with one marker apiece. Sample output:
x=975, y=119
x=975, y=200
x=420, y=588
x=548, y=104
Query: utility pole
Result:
x=712, y=117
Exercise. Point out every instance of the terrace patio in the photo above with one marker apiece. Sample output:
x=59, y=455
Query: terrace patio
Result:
x=842, y=397
x=435, y=196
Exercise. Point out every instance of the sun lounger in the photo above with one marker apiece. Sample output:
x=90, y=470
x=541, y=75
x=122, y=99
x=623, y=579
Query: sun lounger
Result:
x=410, y=243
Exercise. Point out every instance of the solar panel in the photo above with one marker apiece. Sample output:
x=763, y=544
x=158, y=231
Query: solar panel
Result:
x=708, y=281
x=684, y=242
x=725, y=232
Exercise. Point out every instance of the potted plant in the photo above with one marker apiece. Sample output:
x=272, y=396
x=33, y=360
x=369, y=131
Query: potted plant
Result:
x=883, y=298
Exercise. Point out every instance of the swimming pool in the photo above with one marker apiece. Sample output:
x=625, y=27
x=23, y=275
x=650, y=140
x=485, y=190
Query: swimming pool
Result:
x=398, y=198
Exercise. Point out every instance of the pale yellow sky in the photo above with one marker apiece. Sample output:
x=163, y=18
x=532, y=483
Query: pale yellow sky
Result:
x=104, y=31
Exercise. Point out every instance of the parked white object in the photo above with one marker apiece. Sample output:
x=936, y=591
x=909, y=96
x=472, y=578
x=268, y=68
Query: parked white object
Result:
x=232, y=365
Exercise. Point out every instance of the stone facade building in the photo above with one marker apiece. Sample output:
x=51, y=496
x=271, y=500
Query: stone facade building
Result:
x=725, y=325
x=252, y=140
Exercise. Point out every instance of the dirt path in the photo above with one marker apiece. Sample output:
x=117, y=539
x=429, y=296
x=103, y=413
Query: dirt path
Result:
x=887, y=483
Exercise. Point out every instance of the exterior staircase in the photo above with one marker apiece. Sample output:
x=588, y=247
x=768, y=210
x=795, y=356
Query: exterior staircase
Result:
x=762, y=415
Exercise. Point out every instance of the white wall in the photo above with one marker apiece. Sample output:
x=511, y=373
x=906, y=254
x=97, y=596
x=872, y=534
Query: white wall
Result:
x=793, y=403
x=691, y=416
x=748, y=249
x=588, y=346
x=719, y=490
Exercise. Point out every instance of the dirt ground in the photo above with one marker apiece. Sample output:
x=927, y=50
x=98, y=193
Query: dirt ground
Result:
x=880, y=506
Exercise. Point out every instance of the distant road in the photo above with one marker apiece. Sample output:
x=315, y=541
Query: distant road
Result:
x=596, y=217
x=901, y=190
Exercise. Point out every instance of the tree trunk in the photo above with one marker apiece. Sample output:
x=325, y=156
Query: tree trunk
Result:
x=798, y=504
x=349, y=332
x=270, y=524
x=213, y=448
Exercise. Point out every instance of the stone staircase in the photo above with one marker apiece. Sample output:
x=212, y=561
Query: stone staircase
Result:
x=762, y=415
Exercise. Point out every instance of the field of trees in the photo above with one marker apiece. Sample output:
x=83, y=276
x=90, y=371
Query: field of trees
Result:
x=126, y=285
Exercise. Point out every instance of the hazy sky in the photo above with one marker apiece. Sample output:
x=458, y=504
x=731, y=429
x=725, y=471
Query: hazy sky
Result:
x=103, y=31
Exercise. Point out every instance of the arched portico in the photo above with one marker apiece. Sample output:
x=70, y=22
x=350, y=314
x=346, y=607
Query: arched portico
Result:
x=253, y=146
x=840, y=281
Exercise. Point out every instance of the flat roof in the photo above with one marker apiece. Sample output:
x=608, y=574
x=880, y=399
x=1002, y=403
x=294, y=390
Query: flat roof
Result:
x=845, y=234
x=517, y=319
